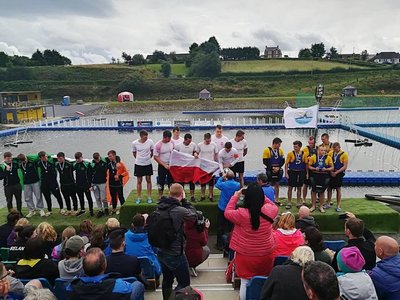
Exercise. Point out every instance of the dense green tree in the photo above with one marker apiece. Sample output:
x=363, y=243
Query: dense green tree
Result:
x=304, y=53
x=127, y=58
x=364, y=55
x=213, y=40
x=205, y=65
x=158, y=56
x=4, y=59
x=17, y=60
x=138, y=59
x=239, y=53
x=333, y=53
x=317, y=50
x=193, y=47
x=166, y=69
x=37, y=58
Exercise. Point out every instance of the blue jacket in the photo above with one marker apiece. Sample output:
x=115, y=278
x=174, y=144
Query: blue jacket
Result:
x=105, y=286
x=228, y=188
x=137, y=244
x=386, y=278
x=269, y=192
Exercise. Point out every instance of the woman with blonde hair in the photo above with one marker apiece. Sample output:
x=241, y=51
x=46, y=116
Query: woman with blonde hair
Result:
x=285, y=281
x=58, y=251
x=287, y=237
x=46, y=232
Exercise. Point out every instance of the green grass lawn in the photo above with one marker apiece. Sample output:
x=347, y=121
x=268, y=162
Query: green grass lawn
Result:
x=274, y=65
x=377, y=216
x=176, y=69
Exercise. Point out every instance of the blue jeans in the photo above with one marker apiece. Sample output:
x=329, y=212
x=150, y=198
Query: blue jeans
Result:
x=137, y=291
x=174, y=266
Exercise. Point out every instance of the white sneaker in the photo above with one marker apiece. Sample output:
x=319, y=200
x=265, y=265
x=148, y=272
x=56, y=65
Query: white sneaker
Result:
x=63, y=211
x=42, y=213
x=117, y=212
x=48, y=214
x=31, y=214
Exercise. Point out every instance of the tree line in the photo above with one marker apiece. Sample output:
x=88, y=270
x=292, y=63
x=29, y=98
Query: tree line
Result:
x=318, y=51
x=46, y=58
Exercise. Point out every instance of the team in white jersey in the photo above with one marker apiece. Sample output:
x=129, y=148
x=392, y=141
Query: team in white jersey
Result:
x=240, y=144
x=142, y=150
x=207, y=150
x=162, y=153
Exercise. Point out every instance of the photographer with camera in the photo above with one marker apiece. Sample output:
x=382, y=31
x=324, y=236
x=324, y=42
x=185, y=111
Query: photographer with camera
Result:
x=196, y=233
x=228, y=186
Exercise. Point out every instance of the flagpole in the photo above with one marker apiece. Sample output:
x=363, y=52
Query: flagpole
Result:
x=319, y=93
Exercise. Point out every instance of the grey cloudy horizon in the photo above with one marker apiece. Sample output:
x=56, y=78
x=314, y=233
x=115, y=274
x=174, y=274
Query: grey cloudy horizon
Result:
x=93, y=31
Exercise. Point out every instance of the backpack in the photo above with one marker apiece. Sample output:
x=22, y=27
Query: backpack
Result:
x=160, y=228
x=187, y=293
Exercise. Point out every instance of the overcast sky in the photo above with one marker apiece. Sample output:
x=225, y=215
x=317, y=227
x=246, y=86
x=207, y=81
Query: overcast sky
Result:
x=93, y=31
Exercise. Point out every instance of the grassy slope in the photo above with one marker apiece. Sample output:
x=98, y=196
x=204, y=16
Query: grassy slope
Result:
x=274, y=65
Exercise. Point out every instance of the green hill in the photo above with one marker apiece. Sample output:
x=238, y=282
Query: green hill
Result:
x=254, y=79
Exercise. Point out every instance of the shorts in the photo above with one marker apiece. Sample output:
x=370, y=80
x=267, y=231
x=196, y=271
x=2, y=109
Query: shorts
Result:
x=141, y=171
x=274, y=177
x=319, y=182
x=337, y=181
x=238, y=167
x=210, y=183
x=307, y=181
x=296, y=178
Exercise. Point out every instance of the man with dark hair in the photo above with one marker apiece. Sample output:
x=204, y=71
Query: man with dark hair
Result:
x=72, y=265
x=340, y=162
x=240, y=144
x=273, y=159
x=176, y=139
x=118, y=261
x=295, y=171
x=320, y=281
x=326, y=144
x=360, y=237
x=208, y=150
x=190, y=148
x=116, y=173
x=269, y=192
x=142, y=150
x=31, y=182
x=162, y=153
x=137, y=242
x=11, y=181
x=48, y=181
x=98, y=174
x=219, y=138
x=83, y=182
x=172, y=258
x=97, y=285
x=5, y=229
x=67, y=182
x=227, y=157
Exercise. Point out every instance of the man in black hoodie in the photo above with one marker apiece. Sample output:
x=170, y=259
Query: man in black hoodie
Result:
x=83, y=182
x=173, y=260
x=11, y=181
x=305, y=219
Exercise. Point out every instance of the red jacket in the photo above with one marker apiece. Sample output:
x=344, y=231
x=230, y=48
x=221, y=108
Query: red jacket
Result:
x=286, y=243
x=244, y=239
x=194, y=243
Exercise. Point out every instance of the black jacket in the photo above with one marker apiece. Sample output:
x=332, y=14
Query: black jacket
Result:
x=284, y=282
x=306, y=222
x=44, y=268
x=66, y=171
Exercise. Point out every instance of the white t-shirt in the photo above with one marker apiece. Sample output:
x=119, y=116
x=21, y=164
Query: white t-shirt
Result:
x=220, y=142
x=188, y=149
x=231, y=157
x=239, y=146
x=143, y=152
x=207, y=151
x=163, y=151
x=177, y=142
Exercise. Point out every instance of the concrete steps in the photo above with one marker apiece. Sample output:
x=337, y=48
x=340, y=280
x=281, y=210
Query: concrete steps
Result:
x=210, y=281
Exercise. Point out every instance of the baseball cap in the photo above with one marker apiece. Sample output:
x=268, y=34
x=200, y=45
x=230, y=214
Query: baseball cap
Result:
x=76, y=243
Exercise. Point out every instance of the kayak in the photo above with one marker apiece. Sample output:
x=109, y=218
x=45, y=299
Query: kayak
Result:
x=390, y=199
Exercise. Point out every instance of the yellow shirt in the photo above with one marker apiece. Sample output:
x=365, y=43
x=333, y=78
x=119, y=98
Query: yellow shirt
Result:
x=267, y=153
x=344, y=157
x=313, y=160
x=291, y=157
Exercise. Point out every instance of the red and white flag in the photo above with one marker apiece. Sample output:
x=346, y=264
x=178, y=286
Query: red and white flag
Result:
x=186, y=168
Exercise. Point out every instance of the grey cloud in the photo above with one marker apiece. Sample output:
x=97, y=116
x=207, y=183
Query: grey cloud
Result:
x=180, y=34
x=273, y=38
x=236, y=34
x=92, y=8
x=163, y=43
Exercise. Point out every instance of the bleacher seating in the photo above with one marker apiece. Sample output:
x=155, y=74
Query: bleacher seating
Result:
x=254, y=286
x=334, y=245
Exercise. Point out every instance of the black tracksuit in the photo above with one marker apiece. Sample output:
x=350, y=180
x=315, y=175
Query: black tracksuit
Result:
x=12, y=185
x=67, y=181
x=48, y=183
x=83, y=183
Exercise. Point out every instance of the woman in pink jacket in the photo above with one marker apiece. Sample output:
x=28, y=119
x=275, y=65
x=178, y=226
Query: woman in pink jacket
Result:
x=287, y=237
x=252, y=237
